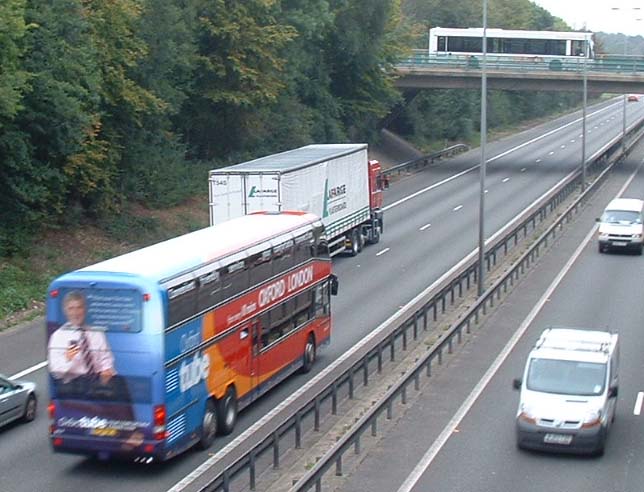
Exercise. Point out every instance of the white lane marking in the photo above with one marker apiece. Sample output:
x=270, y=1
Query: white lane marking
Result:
x=485, y=191
x=523, y=169
x=492, y=159
x=572, y=141
x=638, y=403
x=538, y=161
x=581, y=135
x=456, y=209
x=29, y=370
x=551, y=152
x=382, y=252
x=420, y=469
x=425, y=227
x=505, y=180
x=563, y=146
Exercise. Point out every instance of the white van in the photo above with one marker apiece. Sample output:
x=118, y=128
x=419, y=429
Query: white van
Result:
x=568, y=391
x=620, y=226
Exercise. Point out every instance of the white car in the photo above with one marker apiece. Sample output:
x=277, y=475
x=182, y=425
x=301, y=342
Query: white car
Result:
x=17, y=400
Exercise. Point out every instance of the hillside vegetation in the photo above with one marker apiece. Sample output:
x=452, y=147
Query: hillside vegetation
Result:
x=111, y=113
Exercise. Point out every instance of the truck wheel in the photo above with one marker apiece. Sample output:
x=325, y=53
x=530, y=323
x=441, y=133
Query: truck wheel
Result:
x=375, y=234
x=227, y=411
x=208, y=426
x=355, y=247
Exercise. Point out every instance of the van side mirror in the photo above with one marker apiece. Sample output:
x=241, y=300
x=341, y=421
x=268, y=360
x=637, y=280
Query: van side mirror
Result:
x=516, y=383
x=333, y=281
x=612, y=392
x=597, y=219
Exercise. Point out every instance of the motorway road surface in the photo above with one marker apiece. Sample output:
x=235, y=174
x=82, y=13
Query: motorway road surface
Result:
x=426, y=452
x=430, y=223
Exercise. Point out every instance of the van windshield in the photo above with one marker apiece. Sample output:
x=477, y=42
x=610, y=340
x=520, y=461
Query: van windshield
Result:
x=566, y=377
x=621, y=217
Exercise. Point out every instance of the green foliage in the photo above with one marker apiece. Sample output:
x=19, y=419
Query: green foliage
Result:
x=19, y=287
x=122, y=226
x=13, y=77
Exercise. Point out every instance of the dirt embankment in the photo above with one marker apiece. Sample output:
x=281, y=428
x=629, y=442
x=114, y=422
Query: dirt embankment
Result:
x=393, y=150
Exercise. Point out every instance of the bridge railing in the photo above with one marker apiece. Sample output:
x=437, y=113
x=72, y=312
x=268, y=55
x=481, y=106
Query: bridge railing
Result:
x=604, y=63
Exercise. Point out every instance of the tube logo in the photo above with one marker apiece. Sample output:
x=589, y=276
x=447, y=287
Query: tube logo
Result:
x=191, y=373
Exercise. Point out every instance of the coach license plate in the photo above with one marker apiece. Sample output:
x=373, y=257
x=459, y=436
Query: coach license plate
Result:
x=564, y=439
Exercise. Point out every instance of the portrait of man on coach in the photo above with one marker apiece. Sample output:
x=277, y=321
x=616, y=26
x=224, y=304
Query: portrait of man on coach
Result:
x=78, y=353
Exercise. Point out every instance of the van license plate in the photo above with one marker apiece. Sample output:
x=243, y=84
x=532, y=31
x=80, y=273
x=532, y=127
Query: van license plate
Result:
x=557, y=439
x=618, y=243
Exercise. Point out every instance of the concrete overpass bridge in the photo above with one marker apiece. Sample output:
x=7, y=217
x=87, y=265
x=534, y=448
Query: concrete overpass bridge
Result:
x=616, y=75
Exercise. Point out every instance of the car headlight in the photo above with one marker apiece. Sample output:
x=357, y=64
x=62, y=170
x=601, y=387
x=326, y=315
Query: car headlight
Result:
x=637, y=236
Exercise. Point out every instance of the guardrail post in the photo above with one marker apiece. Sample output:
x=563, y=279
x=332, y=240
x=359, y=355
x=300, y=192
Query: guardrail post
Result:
x=334, y=399
x=374, y=427
x=403, y=394
x=338, y=467
x=415, y=326
x=251, y=465
x=404, y=336
x=316, y=425
x=356, y=445
x=351, y=383
x=392, y=348
x=276, y=451
x=226, y=484
x=417, y=381
x=365, y=372
x=298, y=430
x=379, y=359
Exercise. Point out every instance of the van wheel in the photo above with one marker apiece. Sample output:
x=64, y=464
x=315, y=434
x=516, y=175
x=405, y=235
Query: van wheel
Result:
x=309, y=354
x=227, y=411
x=639, y=250
x=600, y=248
x=208, y=426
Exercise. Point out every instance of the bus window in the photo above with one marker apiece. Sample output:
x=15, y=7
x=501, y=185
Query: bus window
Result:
x=260, y=266
x=210, y=293
x=234, y=279
x=302, y=310
x=182, y=302
x=322, y=300
x=283, y=257
x=302, y=251
x=442, y=43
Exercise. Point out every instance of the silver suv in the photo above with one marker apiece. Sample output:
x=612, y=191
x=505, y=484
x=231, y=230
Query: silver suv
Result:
x=568, y=391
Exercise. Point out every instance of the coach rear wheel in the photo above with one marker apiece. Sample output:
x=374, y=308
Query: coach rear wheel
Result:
x=227, y=409
x=309, y=354
x=208, y=426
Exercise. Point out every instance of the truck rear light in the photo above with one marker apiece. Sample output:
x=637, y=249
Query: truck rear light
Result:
x=159, y=429
x=58, y=441
x=51, y=410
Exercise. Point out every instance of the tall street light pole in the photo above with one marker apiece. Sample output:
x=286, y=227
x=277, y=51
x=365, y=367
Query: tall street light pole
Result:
x=481, y=286
x=583, y=123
